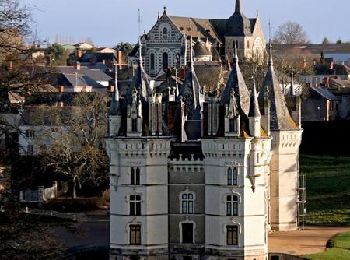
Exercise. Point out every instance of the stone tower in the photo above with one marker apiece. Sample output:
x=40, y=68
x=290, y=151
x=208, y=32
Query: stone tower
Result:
x=236, y=167
x=244, y=33
x=286, y=138
x=138, y=153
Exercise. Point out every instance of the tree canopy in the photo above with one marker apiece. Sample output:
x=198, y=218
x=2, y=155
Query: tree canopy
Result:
x=290, y=33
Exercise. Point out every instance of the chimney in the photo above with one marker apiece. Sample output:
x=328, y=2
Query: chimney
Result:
x=11, y=65
x=120, y=58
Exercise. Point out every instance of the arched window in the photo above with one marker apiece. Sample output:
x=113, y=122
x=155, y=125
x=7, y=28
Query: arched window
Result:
x=165, y=33
x=232, y=205
x=232, y=176
x=187, y=203
x=152, y=61
x=165, y=60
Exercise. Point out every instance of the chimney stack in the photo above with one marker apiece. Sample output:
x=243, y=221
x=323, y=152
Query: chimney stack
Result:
x=120, y=58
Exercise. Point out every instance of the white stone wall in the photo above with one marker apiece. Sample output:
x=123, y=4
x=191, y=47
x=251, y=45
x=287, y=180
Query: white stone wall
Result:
x=252, y=207
x=284, y=179
x=150, y=156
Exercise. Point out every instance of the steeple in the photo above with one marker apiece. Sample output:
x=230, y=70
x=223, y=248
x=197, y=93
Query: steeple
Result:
x=238, y=6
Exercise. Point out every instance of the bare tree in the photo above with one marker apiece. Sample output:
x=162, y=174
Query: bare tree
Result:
x=290, y=33
x=14, y=25
x=77, y=153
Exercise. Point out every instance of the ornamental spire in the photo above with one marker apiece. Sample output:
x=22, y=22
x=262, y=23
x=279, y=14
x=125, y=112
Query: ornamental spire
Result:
x=238, y=6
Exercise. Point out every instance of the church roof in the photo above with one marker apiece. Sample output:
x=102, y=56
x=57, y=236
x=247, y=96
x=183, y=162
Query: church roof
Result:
x=196, y=27
x=279, y=114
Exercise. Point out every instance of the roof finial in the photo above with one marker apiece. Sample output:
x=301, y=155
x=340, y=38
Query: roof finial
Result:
x=238, y=6
x=164, y=12
x=191, y=54
x=270, y=45
x=158, y=16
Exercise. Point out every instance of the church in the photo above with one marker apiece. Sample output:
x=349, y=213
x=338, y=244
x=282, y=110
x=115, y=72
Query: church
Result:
x=169, y=42
x=197, y=174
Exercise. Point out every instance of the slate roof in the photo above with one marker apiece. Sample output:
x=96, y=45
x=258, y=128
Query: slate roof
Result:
x=280, y=118
x=325, y=93
x=70, y=76
x=237, y=84
x=196, y=27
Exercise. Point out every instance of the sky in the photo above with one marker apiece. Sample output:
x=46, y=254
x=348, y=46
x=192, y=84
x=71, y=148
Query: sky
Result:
x=108, y=22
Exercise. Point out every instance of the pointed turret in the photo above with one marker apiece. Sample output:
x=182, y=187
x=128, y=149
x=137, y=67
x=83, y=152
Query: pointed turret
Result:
x=280, y=118
x=237, y=84
x=254, y=114
x=191, y=91
x=238, y=6
x=114, y=107
x=143, y=82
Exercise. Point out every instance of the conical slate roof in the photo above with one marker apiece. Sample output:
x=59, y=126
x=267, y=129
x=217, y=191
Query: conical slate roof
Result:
x=192, y=92
x=279, y=114
x=237, y=84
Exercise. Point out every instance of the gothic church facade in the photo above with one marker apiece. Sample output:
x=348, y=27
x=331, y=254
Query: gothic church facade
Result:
x=168, y=43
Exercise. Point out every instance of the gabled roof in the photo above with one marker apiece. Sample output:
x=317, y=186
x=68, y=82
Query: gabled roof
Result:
x=196, y=27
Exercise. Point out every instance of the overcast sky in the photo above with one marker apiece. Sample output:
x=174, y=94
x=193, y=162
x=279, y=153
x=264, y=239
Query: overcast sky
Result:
x=107, y=22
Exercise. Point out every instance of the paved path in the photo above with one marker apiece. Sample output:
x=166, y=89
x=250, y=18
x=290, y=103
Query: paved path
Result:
x=303, y=242
x=92, y=230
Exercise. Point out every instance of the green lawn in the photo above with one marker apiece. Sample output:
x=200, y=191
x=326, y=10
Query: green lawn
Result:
x=340, y=252
x=328, y=189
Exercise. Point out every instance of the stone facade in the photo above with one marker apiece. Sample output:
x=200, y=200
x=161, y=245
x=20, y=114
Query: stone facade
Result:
x=168, y=43
x=195, y=176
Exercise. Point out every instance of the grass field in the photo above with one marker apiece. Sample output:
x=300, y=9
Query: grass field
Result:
x=328, y=189
x=341, y=250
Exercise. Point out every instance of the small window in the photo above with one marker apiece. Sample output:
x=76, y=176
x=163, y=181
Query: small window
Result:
x=135, y=205
x=231, y=235
x=232, y=205
x=134, y=125
x=135, y=176
x=135, y=234
x=232, y=127
x=232, y=176
x=165, y=33
x=152, y=61
x=29, y=133
x=187, y=203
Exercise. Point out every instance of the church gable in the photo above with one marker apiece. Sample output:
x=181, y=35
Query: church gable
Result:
x=164, y=29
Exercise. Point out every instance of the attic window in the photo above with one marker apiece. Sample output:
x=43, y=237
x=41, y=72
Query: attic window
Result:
x=189, y=29
x=181, y=28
